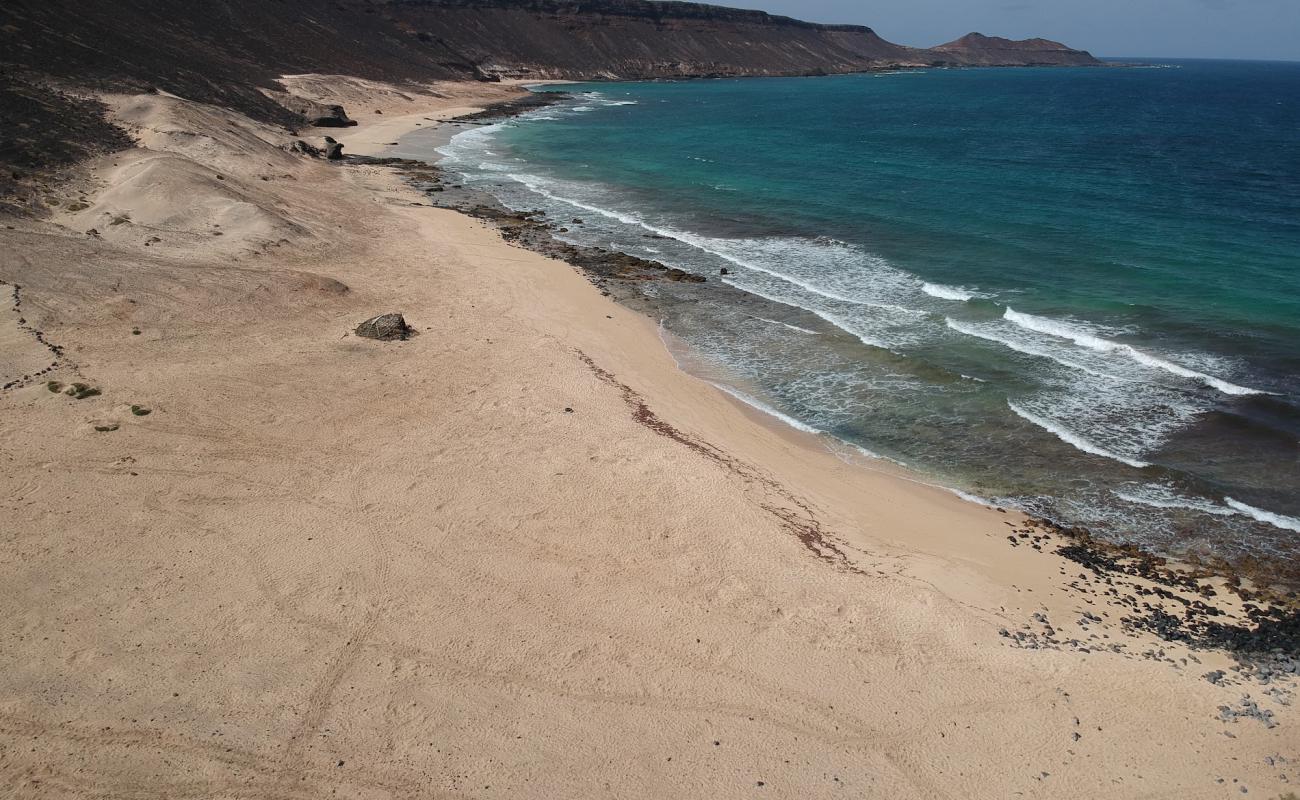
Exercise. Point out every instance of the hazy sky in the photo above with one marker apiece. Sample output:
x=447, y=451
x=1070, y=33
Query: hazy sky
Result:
x=1267, y=29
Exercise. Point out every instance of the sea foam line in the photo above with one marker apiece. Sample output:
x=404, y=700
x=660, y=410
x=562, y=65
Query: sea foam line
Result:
x=1020, y=347
x=535, y=184
x=1269, y=517
x=831, y=318
x=948, y=292
x=829, y=440
x=1084, y=338
x=1171, y=501
x=787, y=325
x=766, y=409
x=1073, y=439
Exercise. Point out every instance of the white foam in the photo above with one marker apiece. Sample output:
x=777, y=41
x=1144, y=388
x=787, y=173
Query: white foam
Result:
x=1073, y=439
x=1159, y=496
x=1089, y=339
x=978, y=332
x=535, y=184
x=971, y=498
x=1259, y=514
x=741, y=252
x=948, y=292
x=831, y=318
x=787, y=325
x=766, y=409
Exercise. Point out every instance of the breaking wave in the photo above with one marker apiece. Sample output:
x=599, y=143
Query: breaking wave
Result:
x=1259, y=514
x=1087, y=338
x=1073, y=439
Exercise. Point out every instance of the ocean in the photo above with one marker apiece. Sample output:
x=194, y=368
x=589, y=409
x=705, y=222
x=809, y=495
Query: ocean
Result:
x=1074, y=291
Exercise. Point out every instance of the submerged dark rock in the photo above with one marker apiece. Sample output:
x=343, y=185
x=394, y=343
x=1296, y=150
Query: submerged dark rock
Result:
x=675, y=274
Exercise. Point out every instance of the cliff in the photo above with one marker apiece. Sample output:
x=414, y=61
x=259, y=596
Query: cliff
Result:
x=637, y=39
x=230, y=52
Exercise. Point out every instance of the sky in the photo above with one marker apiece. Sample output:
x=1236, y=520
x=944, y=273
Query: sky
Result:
x=1262, y=29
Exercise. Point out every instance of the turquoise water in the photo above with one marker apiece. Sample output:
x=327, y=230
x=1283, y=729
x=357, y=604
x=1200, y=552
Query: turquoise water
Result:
x=1076, y=291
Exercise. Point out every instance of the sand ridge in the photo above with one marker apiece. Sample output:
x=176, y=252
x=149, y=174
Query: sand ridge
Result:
x=519, y=555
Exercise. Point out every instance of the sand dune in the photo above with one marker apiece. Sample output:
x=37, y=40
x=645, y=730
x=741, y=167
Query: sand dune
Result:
x=519, y=555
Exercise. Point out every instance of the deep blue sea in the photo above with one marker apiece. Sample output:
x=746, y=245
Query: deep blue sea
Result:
x=1071, y=290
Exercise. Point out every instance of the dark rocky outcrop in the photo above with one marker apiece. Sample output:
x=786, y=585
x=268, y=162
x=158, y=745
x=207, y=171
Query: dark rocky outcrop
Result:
x=333, y=149
x=307, y=149
x=386, y=328
x=316, y=114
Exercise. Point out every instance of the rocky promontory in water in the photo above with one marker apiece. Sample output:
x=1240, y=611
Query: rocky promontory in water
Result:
x=976, y=49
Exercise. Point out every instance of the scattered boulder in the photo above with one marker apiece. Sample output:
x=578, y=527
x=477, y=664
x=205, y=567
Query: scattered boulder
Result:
x=386, y=328
x=333, y=149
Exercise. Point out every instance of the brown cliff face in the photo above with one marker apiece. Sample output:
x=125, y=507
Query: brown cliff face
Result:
x=632, y=39
x=976, y=49
x=641, y=39
x=227, y=52
x=223, y=49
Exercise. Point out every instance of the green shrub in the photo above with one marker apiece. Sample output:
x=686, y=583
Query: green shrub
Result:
x=80, y=391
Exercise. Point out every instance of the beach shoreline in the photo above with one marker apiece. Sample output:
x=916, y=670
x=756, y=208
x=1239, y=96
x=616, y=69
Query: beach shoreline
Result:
x=619, y=273
x=856, y=324
x=457, y=564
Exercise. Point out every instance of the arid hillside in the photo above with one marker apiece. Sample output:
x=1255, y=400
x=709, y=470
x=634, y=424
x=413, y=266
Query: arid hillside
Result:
x=54, y=54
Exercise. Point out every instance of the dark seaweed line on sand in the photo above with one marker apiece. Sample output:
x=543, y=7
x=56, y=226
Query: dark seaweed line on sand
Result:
x=801, y=521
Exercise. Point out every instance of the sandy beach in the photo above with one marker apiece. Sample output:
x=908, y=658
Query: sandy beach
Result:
x=521, y=554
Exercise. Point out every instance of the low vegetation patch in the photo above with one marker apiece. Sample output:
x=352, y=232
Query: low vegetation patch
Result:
x=80, y=391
